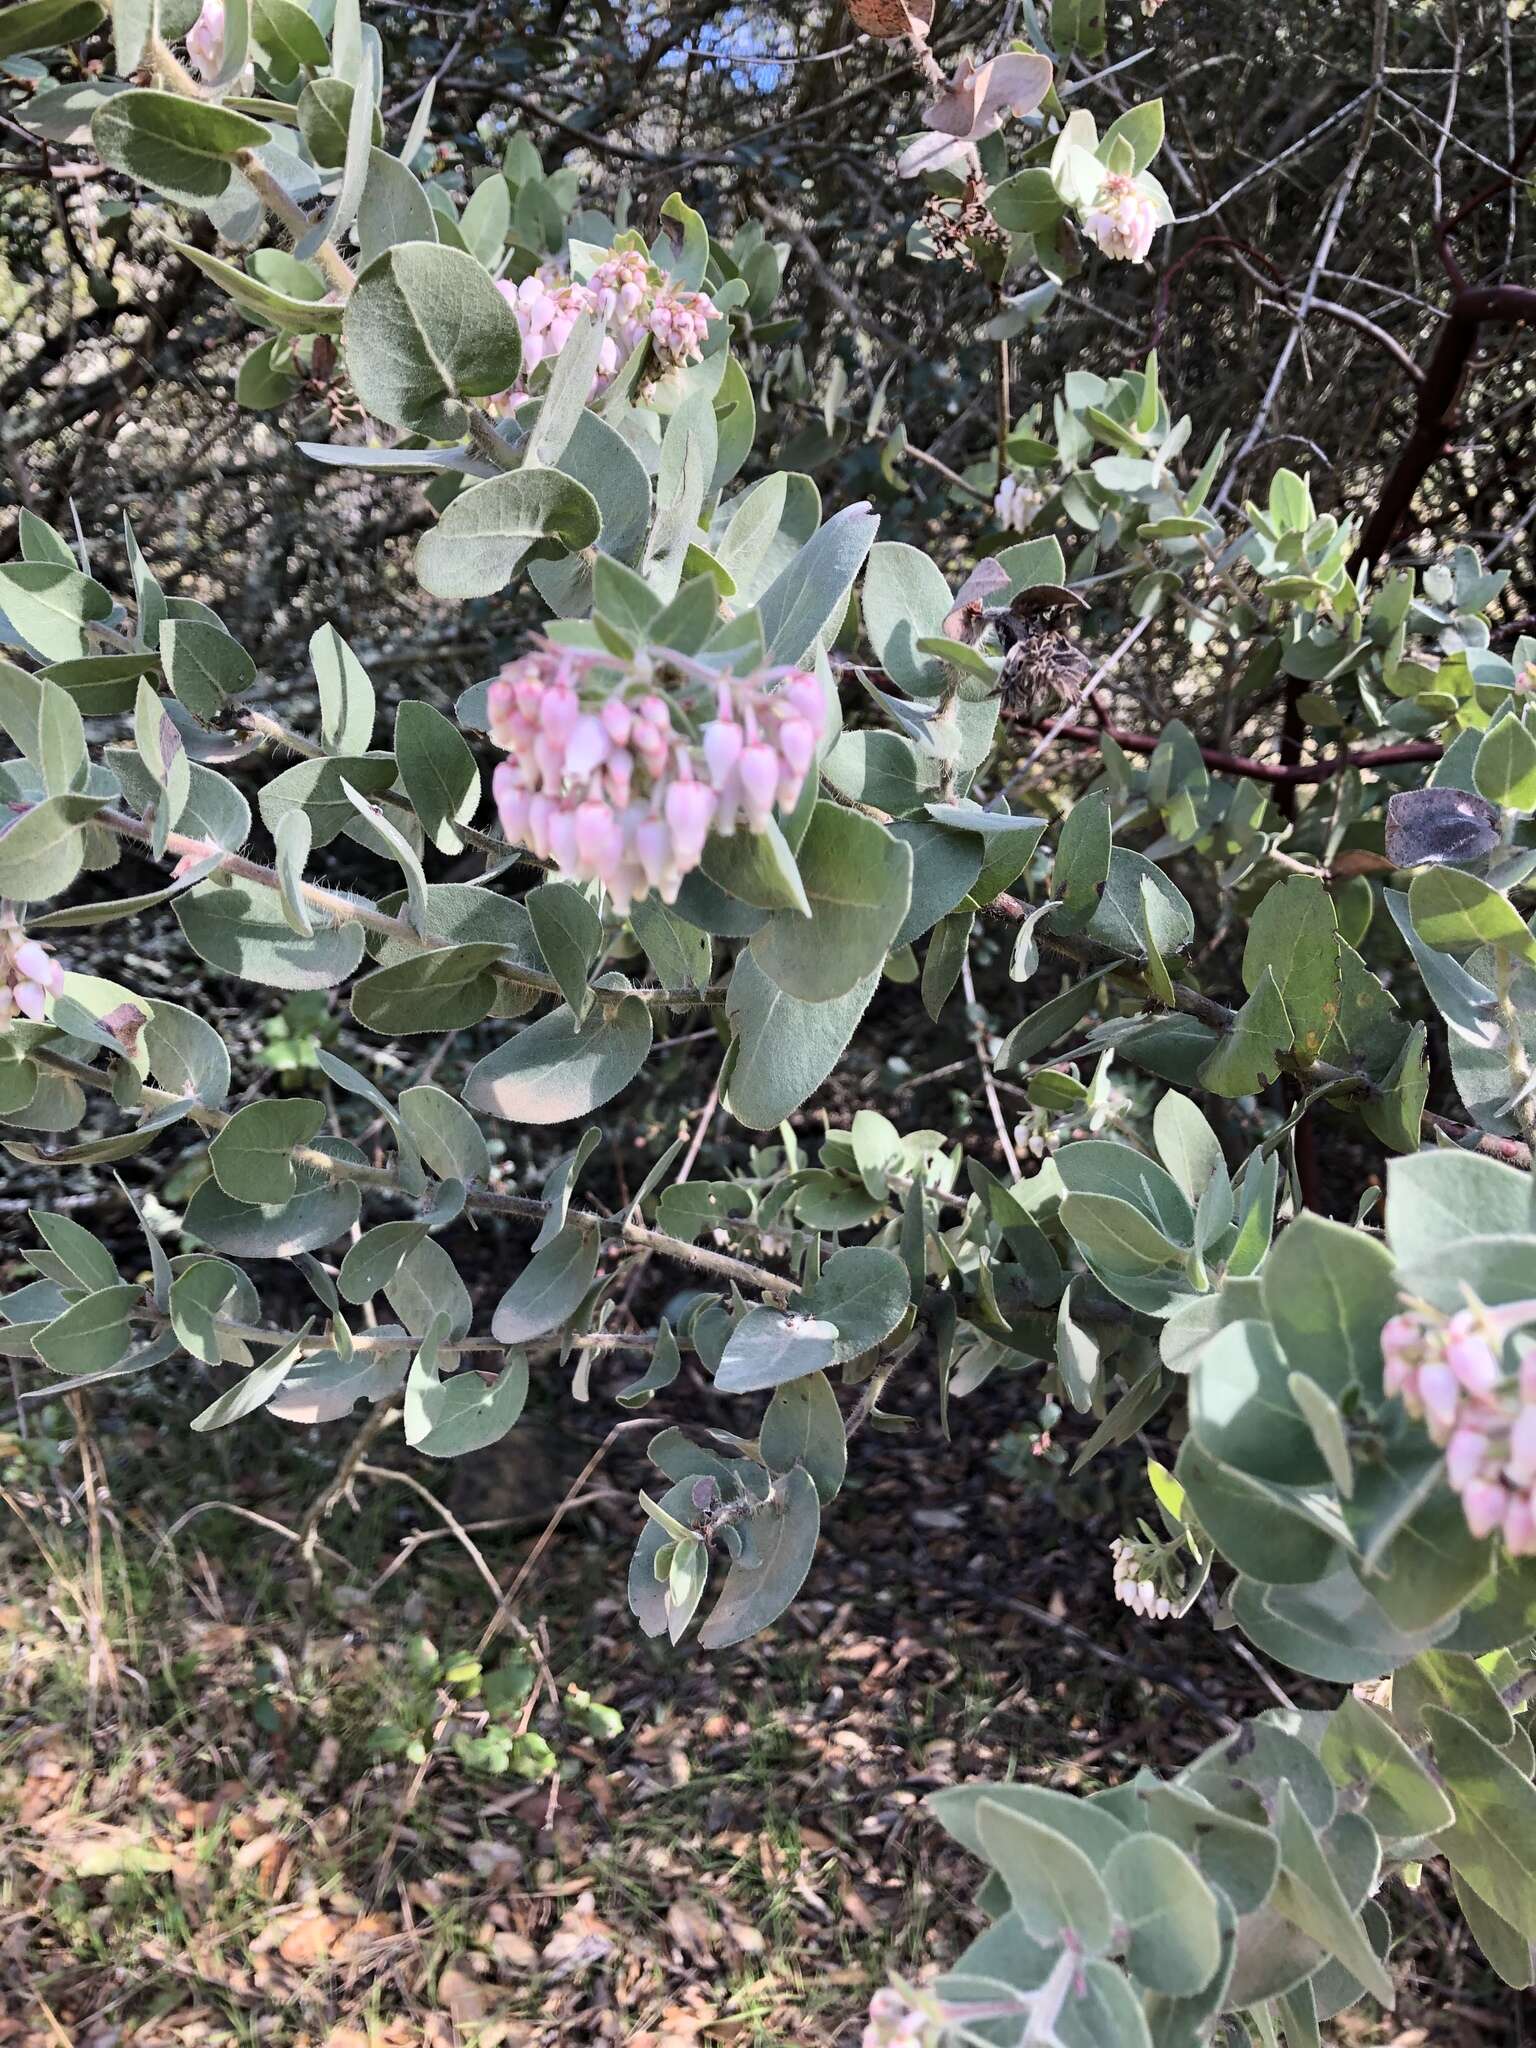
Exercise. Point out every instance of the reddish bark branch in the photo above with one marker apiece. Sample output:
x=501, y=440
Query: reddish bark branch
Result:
x=1439, y=416
x=1473, y=307
x=1261, y=771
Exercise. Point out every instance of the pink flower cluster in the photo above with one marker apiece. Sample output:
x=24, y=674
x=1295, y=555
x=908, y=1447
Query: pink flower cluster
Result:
x=1449, y=1373
x=1016, y=504
x=205, y=39
x=613, y=783
x=205, y=46
x=1122, y=219
x=29, y=974
x=1138, y=1581
x=631, y=297
x=548, y=306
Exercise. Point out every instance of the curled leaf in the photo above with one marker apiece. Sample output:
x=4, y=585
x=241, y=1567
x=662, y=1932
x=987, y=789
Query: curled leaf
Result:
x=975, y=105
x=1433, y=827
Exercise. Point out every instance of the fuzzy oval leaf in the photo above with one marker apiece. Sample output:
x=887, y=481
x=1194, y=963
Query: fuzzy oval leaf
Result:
x=785, y=1048
x=550, y=1288
x=1172, y=1914
x=771, y=1346
x=252, y=1156
x=551, y=1071
x=445, y=989
x=484, y=536
x=804, y=1426
x=449, y=1418
x=424, y=328
x=92, y=1333
x=858, y=882
x=438, y=770
x=182, y=147
x=753, y=1599
x=320, y=1211
x=1055, y=1888
x=239, y=928
x=255, y=1390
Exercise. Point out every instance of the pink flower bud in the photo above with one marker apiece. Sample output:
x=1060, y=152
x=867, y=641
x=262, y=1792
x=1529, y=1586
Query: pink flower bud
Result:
x=653, y=850
x=1402, y=1335
x=1465, y=1457
x=599, y=841
x=29, y=974
x=804, y=692
x=649, y=745
x=541, y=812
x=562, y=839
x=618, y=721
x=1519, y=1526
x=587, y=747
x=1122, y=219
x=797, y=743
x=679, y=324
x=1016, y=504
x=1521, y=1464
x=1399, y=1378
x=690, y=809
x=723, y=740
x=533, y=306
x=205, y=40
x=1470, y=1357
x=558, y=713
x=758, y=773
x=512, y=804
x=34, y=963
x=1441, y=1395
x=1483, y=1505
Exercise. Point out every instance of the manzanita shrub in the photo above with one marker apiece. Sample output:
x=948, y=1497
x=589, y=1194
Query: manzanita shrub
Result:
x=750, y=763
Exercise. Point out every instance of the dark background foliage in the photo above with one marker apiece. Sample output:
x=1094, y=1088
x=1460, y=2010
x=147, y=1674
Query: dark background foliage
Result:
x=117, y=372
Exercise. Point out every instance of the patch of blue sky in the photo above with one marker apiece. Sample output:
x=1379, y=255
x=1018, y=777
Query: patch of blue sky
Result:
x=744, y=43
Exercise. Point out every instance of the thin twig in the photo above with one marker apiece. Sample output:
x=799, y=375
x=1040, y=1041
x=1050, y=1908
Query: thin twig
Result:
x=984, y=1060
x=573, y=1493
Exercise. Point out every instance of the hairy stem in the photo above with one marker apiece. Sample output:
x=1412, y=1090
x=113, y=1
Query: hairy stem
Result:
x=340, y=907
x=478, y=1198
x=488, y=441
x=375, y=1341
x=175, y=77
x=339, y=273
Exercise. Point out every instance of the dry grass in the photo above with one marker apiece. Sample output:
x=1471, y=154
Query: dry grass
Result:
x=201, y=1843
